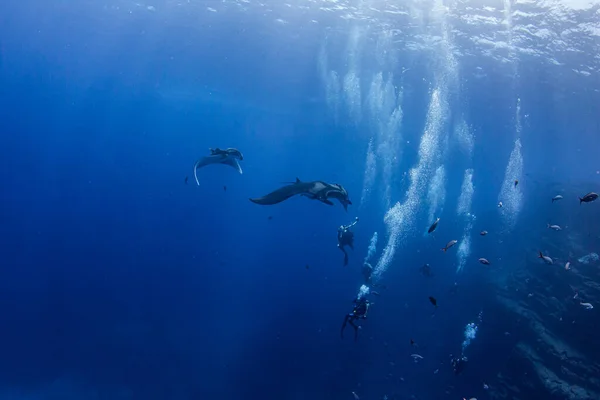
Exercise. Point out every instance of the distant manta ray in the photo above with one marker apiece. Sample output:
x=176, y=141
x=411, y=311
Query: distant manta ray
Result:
x=230, y=160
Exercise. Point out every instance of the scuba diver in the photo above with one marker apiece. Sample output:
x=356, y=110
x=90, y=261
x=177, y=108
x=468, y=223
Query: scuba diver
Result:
x=346, y=238
x=458, y=364
x=361, y=308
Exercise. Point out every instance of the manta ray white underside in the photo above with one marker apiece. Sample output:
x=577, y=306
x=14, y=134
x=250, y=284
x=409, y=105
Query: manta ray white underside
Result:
x=216, y=159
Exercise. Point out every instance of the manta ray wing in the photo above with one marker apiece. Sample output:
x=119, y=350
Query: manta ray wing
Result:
x=284, y=193
x=232, y=162
x=215, y=159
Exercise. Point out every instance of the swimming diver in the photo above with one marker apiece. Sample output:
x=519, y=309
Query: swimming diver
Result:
x=361, y=308
x=346, y=238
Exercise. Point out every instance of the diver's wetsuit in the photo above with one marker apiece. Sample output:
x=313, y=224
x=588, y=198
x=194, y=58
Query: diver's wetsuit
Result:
x=361, y=307
x=346, y=238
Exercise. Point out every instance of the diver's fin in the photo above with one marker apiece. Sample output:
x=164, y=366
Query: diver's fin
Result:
x=298, y=180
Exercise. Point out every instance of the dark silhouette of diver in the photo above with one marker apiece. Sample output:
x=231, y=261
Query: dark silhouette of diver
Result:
x=361, y=308
x=346, y=238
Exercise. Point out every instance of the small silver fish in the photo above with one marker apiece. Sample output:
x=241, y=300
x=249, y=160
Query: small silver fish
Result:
x=568, y=266
x=500, y=204
x=555, y=227
x=484, y=261
x=556, y=198
x=587, y=306
x=547, y=259
x=355, y=396
x=483, y=233
x=450, y=244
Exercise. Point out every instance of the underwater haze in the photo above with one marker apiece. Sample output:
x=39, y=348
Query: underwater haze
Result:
x=123, y=278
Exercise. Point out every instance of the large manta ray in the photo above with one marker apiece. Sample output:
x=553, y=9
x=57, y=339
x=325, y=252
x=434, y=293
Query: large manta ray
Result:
x=227, y=157
x=316, y=190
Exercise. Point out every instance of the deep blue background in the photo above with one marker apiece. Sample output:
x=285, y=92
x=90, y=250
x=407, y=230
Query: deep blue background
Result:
x=117, y=276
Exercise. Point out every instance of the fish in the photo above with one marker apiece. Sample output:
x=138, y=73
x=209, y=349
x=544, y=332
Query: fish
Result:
x=568, y=266
x=416, y=356
x=186, y=180
x=547, y=259
x=516, y=182
x=355, y=396
x=484, y=261
x=450, y=244
x=412, y=342
x=556, y=198
x=500, y=204
x=587, y=306
x=555, y=227
x=483, y=233
x=433, y=301
x=588, y=198
x=433, y=226
x=230, y=160
x=315, y=190
x=224, y=188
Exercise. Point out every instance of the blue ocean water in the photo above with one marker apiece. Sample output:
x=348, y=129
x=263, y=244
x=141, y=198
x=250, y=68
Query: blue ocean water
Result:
x=123, y=279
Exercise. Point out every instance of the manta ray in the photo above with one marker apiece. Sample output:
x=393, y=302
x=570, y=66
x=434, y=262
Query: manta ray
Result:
x=315, y=190
x=227, y=157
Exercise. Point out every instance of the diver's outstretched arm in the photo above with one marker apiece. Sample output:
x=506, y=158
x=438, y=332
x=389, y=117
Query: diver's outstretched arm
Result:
x=352, y=224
